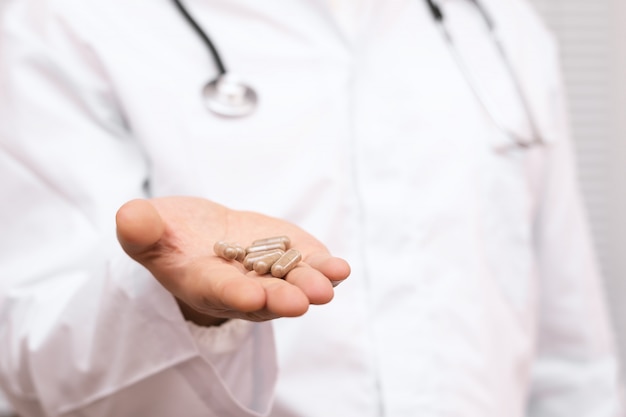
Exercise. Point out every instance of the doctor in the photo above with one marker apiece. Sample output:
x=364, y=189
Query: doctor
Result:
x=425, y=144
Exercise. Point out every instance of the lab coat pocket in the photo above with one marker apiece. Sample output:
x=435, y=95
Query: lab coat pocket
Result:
x=512, y=181
x=529, y=114
x=533, y=108
x=506, y=224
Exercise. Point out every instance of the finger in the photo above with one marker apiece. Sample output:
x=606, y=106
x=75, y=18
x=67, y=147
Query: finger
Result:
x=335, y=269
x=313, y=284
x=223, y=291
x=215, y=288
x=284, y=299
x=139, y=227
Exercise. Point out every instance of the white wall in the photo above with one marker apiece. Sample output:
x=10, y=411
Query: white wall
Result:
x=592, y=35
x=616, y=236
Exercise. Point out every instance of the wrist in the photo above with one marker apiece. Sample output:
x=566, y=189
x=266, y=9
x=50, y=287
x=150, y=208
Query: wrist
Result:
x=198, y=318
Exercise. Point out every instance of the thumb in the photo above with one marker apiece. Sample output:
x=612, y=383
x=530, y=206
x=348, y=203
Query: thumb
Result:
x=139, y=227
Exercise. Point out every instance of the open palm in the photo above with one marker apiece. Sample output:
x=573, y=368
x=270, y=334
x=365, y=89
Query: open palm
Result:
x=173, y=238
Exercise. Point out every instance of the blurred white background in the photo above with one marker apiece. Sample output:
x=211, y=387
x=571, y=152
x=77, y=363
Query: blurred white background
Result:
x=592, y=37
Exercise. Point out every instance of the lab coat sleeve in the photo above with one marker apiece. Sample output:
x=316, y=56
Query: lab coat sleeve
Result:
x=576, y=368
x=84, y=330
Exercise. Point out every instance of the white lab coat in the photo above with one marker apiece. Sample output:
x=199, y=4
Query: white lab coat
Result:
x=474, y=290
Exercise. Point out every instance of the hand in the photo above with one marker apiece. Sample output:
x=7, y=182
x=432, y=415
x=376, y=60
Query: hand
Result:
x=173, y=238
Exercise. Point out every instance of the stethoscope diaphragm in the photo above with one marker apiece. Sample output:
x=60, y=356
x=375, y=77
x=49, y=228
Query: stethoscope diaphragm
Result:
x=227, y=96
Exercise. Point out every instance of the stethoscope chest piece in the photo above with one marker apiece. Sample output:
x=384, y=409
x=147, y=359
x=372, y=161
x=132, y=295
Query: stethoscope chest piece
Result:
x=227, y=96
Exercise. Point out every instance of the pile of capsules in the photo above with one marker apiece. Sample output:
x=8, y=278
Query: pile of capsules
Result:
x=270, y=255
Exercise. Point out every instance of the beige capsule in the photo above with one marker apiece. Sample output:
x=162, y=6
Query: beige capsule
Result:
x=263, y=265
x=241, y=253
x=265, y=247
x=268, y=240
x=251, y=258
x=225, y=250
x=286, y=263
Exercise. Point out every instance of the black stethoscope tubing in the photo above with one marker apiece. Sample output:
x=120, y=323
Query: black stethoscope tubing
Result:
x=217, y=58
x=439, y=18
x=244, y=101
x=225, y=95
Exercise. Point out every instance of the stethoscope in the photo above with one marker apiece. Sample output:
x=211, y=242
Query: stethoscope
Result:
x=228, y=96
x=524, y=141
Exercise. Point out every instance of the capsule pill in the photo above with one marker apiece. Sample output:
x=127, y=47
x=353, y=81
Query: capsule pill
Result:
x=225, y=250
x=276, y=239
x=265, y=247
x=241, y=253
x=251, y=258
x=263, y=265
x=286, y=263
